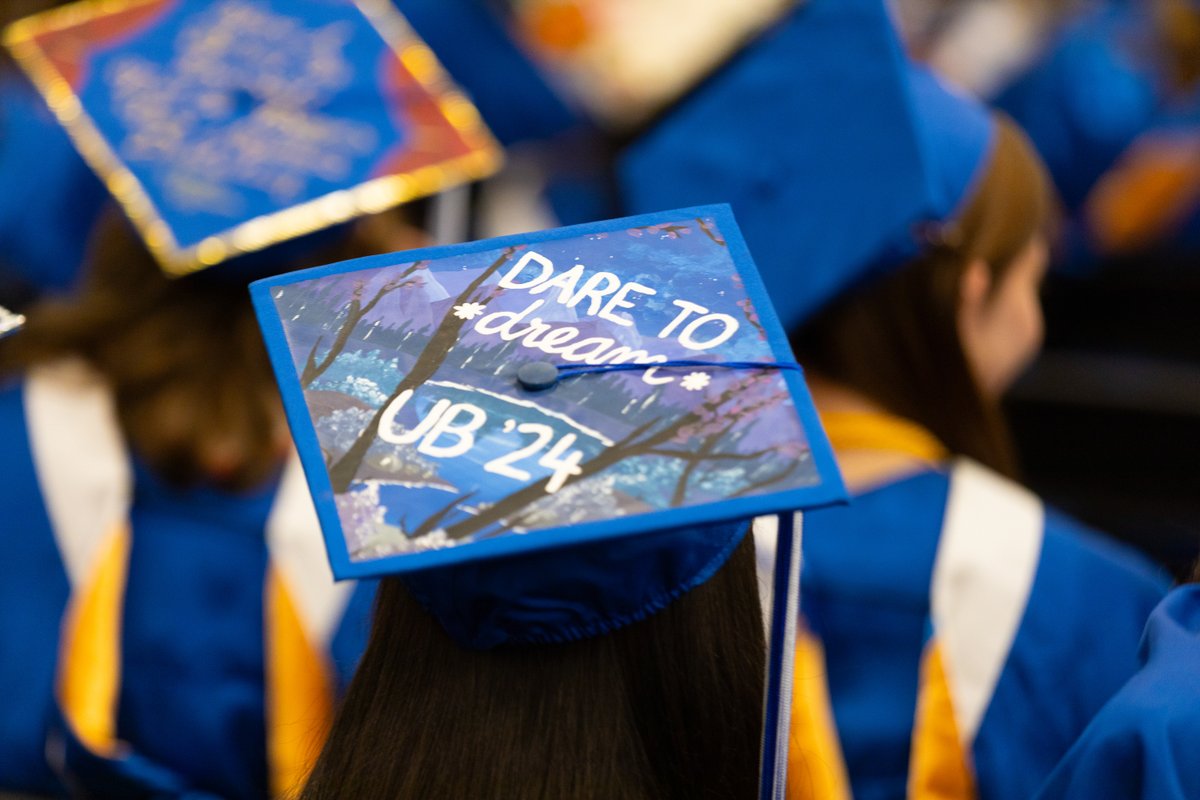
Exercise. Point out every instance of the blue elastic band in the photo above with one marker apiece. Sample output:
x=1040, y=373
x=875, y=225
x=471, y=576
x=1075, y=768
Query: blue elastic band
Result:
x=571, y=370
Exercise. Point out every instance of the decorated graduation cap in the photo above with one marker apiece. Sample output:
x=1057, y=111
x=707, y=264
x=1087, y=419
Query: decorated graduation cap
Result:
x=833, y=149
x=552, y=435
x=225, y=127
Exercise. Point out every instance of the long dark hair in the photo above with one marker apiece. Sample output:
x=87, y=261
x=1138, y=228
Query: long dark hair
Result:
x=897, y=340
x=670, y=707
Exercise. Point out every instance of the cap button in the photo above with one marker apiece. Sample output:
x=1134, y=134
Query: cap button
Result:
x=537, y=376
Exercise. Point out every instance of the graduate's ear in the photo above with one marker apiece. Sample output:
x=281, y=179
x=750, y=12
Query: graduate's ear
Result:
x=974, y=290
x=974, y=294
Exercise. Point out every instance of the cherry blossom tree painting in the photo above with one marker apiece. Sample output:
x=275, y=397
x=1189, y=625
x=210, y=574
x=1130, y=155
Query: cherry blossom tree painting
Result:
x=409, y=376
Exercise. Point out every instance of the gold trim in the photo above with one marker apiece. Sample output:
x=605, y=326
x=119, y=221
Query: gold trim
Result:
x=369, y=197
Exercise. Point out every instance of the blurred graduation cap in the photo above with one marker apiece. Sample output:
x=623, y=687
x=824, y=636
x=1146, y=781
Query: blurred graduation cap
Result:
x=834, y=151
x=225, y=127
x=1119, y=136
x=550, y=435
x=516, y=98
x=44, y=227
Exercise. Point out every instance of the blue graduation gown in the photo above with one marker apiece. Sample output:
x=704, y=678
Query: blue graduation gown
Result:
x=150, y=637
x=1010, y=621
x=1145, y=743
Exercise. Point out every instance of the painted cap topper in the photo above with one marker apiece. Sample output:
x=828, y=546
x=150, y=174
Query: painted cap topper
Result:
x=828, y=143
x=578, y=396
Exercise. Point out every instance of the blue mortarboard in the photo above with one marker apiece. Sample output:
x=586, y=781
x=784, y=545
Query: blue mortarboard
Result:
x=472, y=42
x=830, y=146
x=44, y=225
x=226, y=127
x=552, y=435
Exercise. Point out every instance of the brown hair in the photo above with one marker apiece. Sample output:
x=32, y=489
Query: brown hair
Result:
x=670, y=707
x=1178, y=25
x=896, y=340
x=194, y=392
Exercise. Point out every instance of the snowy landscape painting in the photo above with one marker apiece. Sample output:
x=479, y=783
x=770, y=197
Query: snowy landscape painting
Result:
x=408, y=374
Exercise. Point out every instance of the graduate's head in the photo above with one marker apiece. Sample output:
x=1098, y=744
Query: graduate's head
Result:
x=594, y=612
x=1000, y=255
x=973, y=288
x=941, y=336
x=895, y=221
x=669, y=706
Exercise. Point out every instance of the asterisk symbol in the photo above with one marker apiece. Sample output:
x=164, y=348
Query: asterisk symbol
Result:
x=695, y=381
x=468, y=310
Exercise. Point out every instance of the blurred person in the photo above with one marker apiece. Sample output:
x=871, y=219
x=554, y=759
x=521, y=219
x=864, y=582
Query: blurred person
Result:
x=152, y=505
x=908, y=374
x=168, y=622
x=1113, y=107
x=960, y=635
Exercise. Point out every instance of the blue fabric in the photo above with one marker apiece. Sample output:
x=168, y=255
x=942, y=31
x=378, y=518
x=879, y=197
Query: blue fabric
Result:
x=957, y=136
x=865, y=588
x=830, y=147
x=1101, y=91
x=197, y=565
x=865, y=595
x=571, y=593
x=515, y=100
x=1087, y=99
x=33, y=595
x=192, y=682
x=350, y=639
x=1143, y=745
x=51, y=198
x=1077, y=644
x=131, y=777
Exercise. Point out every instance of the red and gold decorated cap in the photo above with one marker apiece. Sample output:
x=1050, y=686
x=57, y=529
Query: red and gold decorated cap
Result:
x=223, y=127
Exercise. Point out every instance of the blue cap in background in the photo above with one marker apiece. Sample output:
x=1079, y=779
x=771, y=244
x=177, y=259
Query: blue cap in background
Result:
x=51, y=198
x=473, y=45
x=828, y=143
